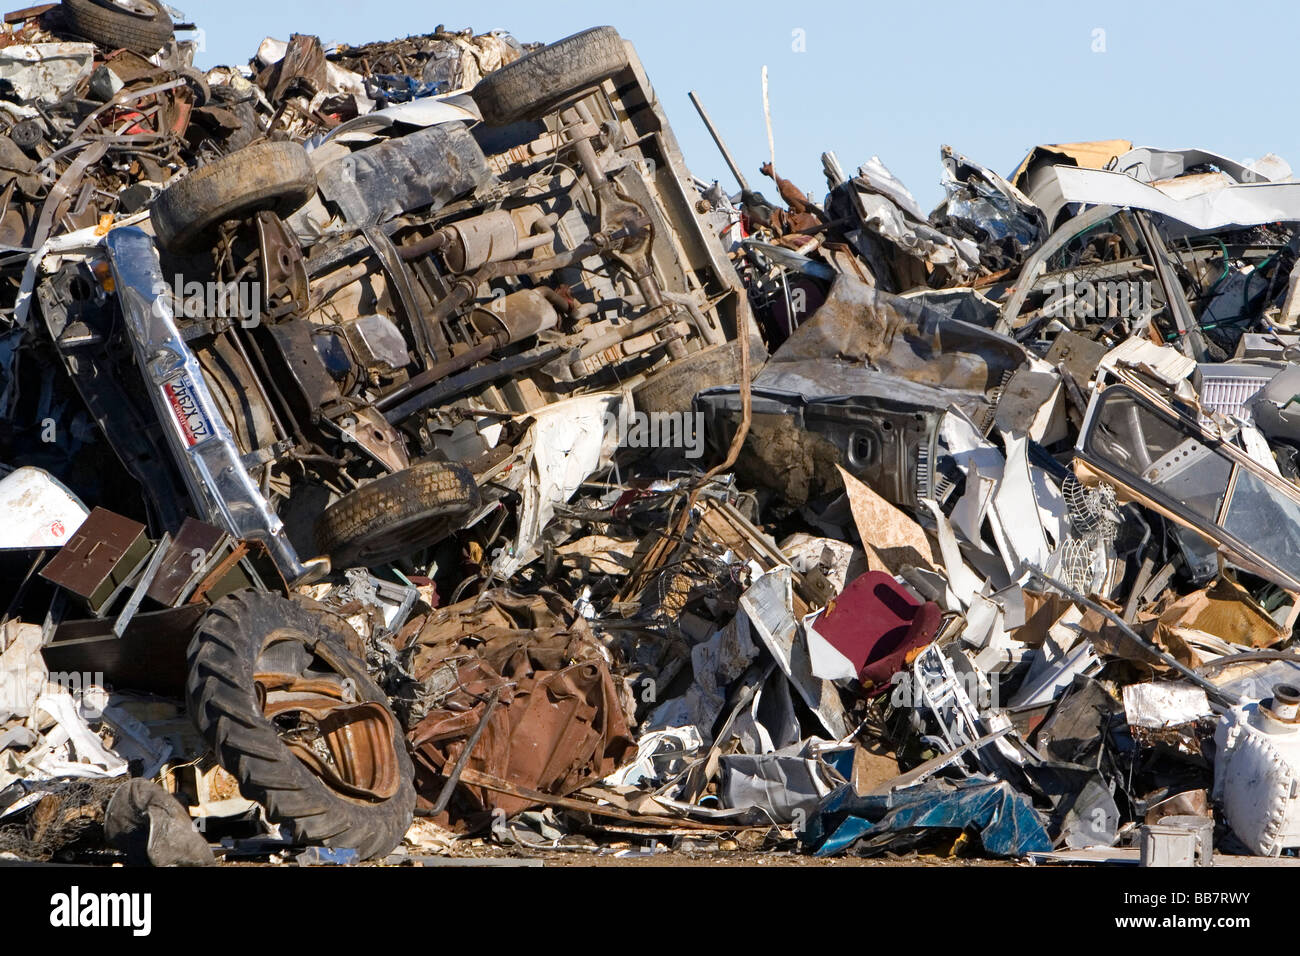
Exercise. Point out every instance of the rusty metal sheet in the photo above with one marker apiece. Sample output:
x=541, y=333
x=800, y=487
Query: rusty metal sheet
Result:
x=559, y=724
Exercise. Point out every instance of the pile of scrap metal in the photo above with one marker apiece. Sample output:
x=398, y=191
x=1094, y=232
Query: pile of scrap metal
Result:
x=339, y=348
x=1057, y=413
x=401, y=451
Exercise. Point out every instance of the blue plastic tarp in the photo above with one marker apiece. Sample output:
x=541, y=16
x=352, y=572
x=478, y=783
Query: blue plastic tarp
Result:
x=1007, y=822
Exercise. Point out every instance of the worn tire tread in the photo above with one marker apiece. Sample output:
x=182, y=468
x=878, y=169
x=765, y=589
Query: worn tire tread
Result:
x=222, y=704
x=427, y=489
x=539, y=81
x=115, y=30
x=268, y=175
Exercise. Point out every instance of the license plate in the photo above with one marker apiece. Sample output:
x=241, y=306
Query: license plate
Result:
x=193, y=424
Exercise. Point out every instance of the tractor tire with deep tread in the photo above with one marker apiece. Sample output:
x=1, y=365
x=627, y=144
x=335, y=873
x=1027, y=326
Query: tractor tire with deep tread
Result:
x=674, y=389
x=119, y=29
x=397, y=514
x=222, y=700
x=539, y=81
x=274, y=176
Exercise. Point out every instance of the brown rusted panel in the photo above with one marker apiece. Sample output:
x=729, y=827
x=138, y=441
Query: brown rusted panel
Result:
x=560, y=723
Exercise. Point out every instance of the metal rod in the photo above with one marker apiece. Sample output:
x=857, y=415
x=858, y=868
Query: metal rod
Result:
x=1208, y=686
x=717, y=138
x=448, y=788
x=142, y=585
x=472, y=378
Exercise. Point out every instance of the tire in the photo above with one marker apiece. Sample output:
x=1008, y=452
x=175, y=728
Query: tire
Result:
x=397, y=514
x=223, y=703
x=539, y=81
x=274, y=175
x=107, y=25
x=674, y=389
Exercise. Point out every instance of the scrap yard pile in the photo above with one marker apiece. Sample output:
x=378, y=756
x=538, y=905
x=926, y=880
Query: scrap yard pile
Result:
x=403, y=455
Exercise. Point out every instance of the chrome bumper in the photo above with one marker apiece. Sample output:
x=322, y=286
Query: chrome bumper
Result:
x=212, y=465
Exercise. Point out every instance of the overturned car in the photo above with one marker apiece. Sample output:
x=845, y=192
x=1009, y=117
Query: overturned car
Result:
x=323, y=332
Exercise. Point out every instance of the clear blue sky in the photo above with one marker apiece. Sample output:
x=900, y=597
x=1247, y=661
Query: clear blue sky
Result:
x=896, y=79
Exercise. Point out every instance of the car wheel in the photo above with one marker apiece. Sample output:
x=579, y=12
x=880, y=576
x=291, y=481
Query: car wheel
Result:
x=142, y=26
x=539, y=81
x=275, y=176
x=295, y=717
x=397, y=514
x=674, y=389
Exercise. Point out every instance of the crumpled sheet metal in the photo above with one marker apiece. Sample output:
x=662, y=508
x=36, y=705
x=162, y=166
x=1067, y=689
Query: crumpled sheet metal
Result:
x=768, y=604
x=376, y=184
x=1151, y=164
x=1224, y=609
x=715, y=663
x=560, y=722
x=555, y=731
x=1036, y=174
x=46, y=732
x=860, y=330
x=45, y=72
x=786, y=787
x=1221, y=203
x=569, y=440
x=864, y=355
x=1094, y=155
x=425, y=112
x=999, y=217
x=889, y=214
x=796, y=443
